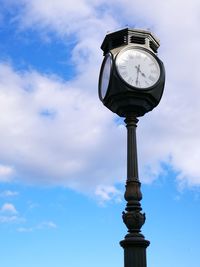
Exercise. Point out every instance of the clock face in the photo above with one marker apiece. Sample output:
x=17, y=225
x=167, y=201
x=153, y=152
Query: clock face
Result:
x=105, y=75
x=138, y=68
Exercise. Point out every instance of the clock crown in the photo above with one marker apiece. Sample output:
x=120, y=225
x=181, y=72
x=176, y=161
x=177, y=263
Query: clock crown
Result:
x=127, y=36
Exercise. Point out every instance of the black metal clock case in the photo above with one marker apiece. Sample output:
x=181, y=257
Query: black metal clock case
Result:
x=120, y=97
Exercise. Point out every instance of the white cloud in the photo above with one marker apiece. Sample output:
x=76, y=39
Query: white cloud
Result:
x=64, y=17
x=81, y=147
x=47, y=225
x=59, y=149
x=40, y=226
x=8, y=208
x=10, y=215
x=9, y=219
x=107, y=193
x=9, y=193
x=6, y=173
x=25, y=229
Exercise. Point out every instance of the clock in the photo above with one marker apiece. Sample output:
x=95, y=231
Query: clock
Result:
x=132, y=76
x=105, y=73
x=138, y=67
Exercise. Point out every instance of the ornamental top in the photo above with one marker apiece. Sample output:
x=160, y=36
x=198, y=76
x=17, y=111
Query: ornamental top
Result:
x=129, y=36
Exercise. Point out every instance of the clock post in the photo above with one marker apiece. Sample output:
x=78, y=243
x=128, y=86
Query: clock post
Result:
x=134, y=243
x=131, y=83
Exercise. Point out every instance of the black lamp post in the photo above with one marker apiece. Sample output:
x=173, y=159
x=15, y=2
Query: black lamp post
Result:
x=131, y=83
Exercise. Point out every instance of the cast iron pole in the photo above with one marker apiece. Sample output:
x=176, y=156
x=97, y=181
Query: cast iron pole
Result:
x=134, y=243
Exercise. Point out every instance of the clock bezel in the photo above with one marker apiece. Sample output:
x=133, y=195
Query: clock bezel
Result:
x=108, y=55
x=128, y=84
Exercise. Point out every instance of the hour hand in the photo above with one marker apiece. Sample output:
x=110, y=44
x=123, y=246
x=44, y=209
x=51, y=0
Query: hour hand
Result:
x=142, y=73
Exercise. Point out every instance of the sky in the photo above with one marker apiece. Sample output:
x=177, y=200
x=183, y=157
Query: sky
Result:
x=63, y=154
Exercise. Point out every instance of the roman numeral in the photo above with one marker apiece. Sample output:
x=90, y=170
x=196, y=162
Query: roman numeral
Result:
x=147, y=83
x=152, y=64
x=122, y=67
x=124, y=73
x=130, y=80
x=152, y=78
x=153, y=71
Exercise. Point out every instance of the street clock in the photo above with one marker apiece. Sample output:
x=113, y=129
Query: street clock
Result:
x=132, y=77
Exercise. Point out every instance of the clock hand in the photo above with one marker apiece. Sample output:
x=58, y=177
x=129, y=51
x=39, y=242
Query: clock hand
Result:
x=138, y=70
x=142, y=73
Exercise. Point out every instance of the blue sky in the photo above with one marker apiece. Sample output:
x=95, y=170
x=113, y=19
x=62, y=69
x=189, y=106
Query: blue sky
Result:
x=63, y=154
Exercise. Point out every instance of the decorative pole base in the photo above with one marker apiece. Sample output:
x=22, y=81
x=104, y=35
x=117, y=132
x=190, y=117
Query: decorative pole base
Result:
x=135, y=252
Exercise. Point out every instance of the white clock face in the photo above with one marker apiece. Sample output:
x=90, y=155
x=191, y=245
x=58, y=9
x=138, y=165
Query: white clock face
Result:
x=138, y=68
x=105, y=75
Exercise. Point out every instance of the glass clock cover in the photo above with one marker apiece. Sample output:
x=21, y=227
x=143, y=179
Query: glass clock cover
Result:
x=138, y=68
x=105, y=75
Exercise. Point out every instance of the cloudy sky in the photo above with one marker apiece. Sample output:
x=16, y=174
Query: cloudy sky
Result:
x=63, y=154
